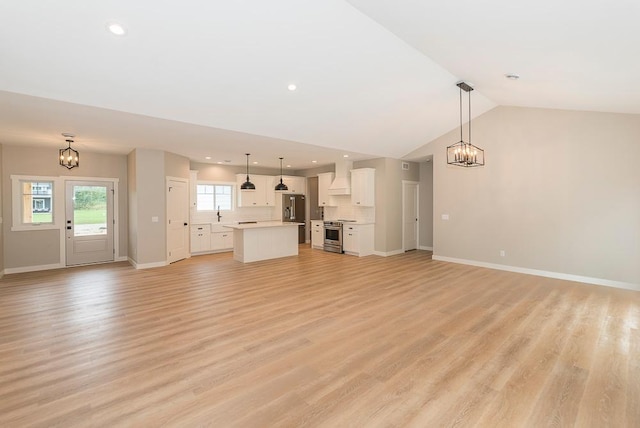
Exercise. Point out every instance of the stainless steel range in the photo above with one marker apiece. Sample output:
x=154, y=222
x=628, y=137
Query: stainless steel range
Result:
x=333, y=236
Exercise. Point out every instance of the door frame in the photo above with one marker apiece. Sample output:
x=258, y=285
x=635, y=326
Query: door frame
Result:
x=166, y=213
x=116, y=219
x=417, y=184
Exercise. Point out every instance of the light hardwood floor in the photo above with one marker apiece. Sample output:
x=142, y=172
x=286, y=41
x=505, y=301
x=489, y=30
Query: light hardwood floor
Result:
x=317, y=340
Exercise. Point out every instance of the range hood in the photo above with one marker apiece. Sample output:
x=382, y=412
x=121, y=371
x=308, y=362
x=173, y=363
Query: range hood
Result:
x=341, y=185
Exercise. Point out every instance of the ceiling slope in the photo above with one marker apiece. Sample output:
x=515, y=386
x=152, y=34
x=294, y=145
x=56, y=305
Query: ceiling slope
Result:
x=570, y=54
x=226, y=65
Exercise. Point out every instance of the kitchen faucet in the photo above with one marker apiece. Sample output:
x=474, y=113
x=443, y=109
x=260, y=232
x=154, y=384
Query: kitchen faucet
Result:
x=218, y=214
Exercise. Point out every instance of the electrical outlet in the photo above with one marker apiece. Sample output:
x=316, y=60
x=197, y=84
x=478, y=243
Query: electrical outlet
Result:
x=445, y=216
x=503, y=253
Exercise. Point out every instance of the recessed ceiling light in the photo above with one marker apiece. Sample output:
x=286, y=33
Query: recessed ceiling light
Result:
x=288, y=166
x=207, y=157
x=512, y=76
x=117, y=29
x=345, y=156
x=292, y=87
x=314, y=161
x=255, y=162
x=219, y=163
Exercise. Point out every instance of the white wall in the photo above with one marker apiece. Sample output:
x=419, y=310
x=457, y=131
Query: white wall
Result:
x=560, y=193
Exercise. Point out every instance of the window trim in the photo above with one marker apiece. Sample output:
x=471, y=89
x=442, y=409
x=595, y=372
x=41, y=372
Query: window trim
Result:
x=16, y=203
x=231, y=184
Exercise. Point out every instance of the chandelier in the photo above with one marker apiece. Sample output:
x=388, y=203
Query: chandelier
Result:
x=69, y=158
x=464, y=153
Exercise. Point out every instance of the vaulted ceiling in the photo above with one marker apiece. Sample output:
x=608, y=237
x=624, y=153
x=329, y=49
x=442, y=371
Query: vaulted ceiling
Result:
x=374, y=78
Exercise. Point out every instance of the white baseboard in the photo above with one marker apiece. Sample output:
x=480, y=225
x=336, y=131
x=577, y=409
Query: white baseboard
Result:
x=24, y=269
x=544, y=273
x=121, y=259
x=146, y=265
x=422, y=247
x=388, y=253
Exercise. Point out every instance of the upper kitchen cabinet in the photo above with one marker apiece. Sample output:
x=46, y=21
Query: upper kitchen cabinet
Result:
x=324, y=181
x=295, y=184
x=363, y=187
x=262, y=196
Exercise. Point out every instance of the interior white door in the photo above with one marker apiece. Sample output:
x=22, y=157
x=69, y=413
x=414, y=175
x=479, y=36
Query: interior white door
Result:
x=89, y=222
x=410, y=216
x=177, y=219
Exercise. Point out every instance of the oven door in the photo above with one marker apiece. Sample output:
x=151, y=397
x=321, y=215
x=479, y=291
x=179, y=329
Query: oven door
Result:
x=333, y=239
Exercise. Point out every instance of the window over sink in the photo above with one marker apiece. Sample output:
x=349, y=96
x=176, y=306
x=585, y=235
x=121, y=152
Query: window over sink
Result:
x=214, y=196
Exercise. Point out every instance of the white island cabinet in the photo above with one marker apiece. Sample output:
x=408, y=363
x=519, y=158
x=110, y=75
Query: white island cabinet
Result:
x=253, y=242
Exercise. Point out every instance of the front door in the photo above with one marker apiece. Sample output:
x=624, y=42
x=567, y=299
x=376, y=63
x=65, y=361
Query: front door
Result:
x=89, y=222
x=178, y=220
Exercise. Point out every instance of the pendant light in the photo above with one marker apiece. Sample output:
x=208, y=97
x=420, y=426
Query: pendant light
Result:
x=247, y=185
x=281, y=186
x=68, y=157
x=462, y=153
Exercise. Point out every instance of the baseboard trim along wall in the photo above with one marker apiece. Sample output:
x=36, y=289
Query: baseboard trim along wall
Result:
x=146, y=265
x=24, y=269
x=556, y=275
x=422, y=247
x=388, y=253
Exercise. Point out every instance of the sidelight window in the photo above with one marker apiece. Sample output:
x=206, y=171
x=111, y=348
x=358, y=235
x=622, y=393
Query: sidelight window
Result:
x=33, y=202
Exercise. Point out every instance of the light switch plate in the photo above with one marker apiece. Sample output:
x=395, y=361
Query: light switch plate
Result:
x=154, y=219
x=445, y=216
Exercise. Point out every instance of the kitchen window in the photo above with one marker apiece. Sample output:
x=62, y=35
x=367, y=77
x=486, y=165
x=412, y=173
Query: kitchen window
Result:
x=33, y=202
x=214, y=196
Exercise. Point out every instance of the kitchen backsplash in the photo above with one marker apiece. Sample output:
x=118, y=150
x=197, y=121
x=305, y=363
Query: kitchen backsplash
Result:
x=238, y=214
x=346, y=211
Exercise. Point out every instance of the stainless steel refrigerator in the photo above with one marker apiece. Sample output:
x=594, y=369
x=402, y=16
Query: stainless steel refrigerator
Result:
x=293, y=210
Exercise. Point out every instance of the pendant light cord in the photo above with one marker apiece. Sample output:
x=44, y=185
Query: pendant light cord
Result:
x=460, y=89
x=469, y=117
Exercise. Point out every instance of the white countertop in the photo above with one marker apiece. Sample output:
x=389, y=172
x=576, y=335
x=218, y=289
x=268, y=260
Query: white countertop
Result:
x=347, y=223
x=262, y=224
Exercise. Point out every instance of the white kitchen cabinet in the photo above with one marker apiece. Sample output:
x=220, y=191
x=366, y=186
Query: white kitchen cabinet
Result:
x=200, y=238
x=357, y=239
x=295, y=184
x=263, y=195
x=324, y=181
x=363, y=187
x=317, y=234
x=222, y=240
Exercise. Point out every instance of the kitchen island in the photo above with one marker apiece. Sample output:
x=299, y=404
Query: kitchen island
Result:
x=264, y=240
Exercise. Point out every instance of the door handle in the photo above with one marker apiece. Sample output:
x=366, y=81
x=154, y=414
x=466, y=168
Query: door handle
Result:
x=186, y=224
x=68, y=227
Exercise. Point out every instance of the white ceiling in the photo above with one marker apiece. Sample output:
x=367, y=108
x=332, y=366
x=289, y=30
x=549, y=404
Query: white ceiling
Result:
x=375, y=78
